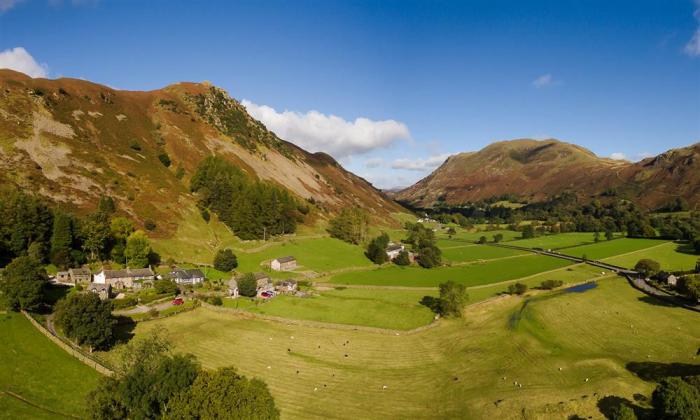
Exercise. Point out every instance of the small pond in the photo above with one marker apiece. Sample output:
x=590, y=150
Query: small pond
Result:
x=581, y=287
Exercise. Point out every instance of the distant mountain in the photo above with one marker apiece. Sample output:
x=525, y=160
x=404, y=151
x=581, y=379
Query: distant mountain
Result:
x=536, y=170
x=72, y=141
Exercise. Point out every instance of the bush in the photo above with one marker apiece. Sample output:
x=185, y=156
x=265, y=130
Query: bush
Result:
x=215, y=300
x=247, y=285
x=134, y=145
x=551, y=284
x=127, y=302
x=403, y=258
x=164, y=159
x=453, y=297
x=517, y=289
x=225, y=260
x=165, y=287
x=376, y=250
x=149, y=224
x=647, y=267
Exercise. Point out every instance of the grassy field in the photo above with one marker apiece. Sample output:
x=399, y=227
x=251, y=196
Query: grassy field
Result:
x=670, y=255
x=471, y=275
x=607, y=249
x=317, y=254
x=457, y=368
x=465, y=237
x=477, y=252
x=36, y=369
x=393, y=309
x=559, y=241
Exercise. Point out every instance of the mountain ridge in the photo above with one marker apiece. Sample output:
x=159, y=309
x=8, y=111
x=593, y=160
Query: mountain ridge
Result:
x=536, y=170
x=71, y=141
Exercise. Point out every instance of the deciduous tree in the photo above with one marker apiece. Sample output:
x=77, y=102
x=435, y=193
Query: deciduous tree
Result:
x=22, y=283
x=87, y=319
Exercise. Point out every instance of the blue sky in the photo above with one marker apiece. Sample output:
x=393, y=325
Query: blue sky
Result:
x=392, y=87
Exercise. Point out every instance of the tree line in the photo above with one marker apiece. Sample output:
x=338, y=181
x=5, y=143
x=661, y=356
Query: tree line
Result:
x=253, y=209
x=29, y=227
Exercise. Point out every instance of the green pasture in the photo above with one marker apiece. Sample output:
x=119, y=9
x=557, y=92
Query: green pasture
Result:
x=37, y=370
x=605, y=249
x=568, y=351
x=672, y=256
x=393, y=309
x=317, y=254
x=465, y=237
x=558, y=241
x=478, y=252
x=471, y=274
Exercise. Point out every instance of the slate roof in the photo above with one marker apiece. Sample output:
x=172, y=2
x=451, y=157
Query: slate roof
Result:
x=286, y=259
x=129, y=272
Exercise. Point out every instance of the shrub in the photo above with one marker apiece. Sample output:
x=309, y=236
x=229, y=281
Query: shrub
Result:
x=134, y=145
x=517, y=289
x=225, y=260
x=149, y=224
x=453, y=297
x=215, y=300
x=551, y=284
x=376, y=250
x=247, y=285
x=403, y=258
x=165, y=287
x=124, y=303
x=164, y=159
x=647, y=267
x=674, y=398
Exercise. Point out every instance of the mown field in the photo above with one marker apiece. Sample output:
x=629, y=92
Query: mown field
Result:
x=471, y=275
x=670, y=255
x=392, y=309
x=460, y=368
x=605, y=249
x=34, y=368
x=559, y=241
x=465, y=237
x=478, y=252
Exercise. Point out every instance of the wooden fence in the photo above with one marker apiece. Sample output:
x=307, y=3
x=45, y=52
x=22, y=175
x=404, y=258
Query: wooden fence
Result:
x=78, y=354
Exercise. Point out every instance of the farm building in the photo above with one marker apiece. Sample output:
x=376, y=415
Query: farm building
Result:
x=102, y=290
x=393, y=250
x=671, y=280
x=286, y=286
x=187, y=276
x=264, y=284
x=63, y=277
x=233, y=288
x=80, y=275
x=123, y=279
x=284, y=263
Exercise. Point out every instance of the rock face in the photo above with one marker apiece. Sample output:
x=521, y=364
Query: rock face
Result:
x=72, y=141
x=536, y=170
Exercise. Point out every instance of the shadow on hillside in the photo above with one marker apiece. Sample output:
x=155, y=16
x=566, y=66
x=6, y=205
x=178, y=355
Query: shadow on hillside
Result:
x=124, y=330
x=431, y=303
x=657, y=302
x=656, y=371
x=609, y=406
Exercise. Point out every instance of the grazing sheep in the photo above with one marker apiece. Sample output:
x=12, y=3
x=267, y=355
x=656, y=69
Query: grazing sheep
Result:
x=586, y=379
x=384, y=387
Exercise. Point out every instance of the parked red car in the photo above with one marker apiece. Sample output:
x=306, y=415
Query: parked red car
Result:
x=178, y=301
x=266, y=295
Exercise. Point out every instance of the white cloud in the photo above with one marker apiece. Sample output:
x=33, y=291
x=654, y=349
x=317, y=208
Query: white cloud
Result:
x=20, y=60
x=692, y=48
x=544, y=81
x=6, y=5
x=644, y=155
x=618, y=156
x=374, y=163
x=331, y=134
x=419, y=164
